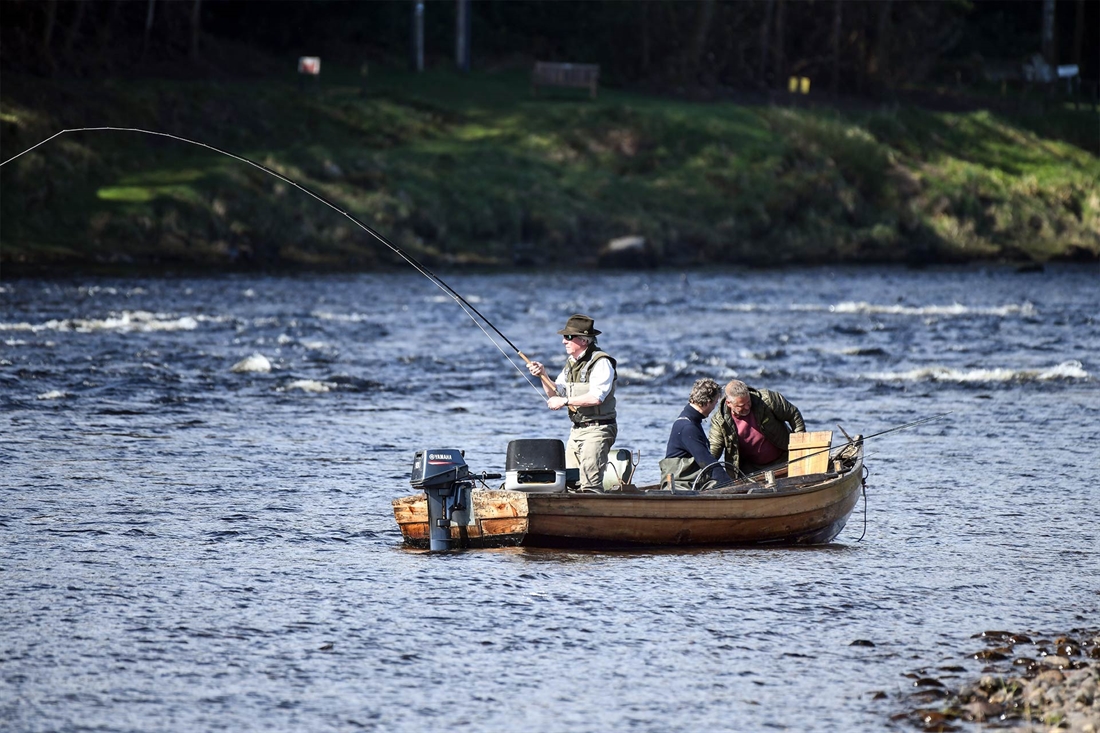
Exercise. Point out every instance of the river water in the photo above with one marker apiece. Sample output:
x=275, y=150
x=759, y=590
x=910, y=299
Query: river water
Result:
x=188, y=547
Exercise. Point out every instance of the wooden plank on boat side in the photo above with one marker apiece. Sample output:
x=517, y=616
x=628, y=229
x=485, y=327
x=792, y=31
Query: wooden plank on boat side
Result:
x=681, y=507
x=809, y=453
x=670, y=531
x=410, y=509
x=504, y=527
x=501, y=514
x=703, y=529
x=415, y=531
x=499, y=504
x=417, y=534
x=414, y=508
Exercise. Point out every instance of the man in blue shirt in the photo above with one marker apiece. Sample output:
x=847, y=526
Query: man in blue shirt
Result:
x=688, y=452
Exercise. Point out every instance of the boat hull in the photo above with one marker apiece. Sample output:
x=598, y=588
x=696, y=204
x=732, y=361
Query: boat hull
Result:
x=811, y=510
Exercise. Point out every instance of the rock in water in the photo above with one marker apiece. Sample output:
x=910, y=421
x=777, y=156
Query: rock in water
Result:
x=254, y=363
x=627, y=252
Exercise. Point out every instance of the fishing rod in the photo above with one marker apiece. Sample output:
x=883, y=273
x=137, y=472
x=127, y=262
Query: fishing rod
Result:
x=851, y=440
x=464, y=304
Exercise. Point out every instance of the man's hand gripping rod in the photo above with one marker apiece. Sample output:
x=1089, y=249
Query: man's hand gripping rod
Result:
x=546, y=381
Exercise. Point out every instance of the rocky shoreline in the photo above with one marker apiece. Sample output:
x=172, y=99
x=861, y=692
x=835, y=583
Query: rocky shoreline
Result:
x=1033, y=683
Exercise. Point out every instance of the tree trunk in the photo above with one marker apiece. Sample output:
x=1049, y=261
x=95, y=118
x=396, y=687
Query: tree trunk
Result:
x=765, y=37
x=148, y=28
x=780, y=33
x=460, y=32
x=418, y=35
x=1079, y=35
x=47, y=32
x=196, y=29
x=837, y=12
x=693, y=61
x=106, y=30
x=671, y=29
x=1050, y=51
x=74, y=26
x=880, y=70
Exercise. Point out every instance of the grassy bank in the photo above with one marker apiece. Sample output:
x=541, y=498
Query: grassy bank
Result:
x=474, y=170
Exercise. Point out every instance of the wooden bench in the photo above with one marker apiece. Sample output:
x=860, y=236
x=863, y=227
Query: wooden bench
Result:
x=584, y=76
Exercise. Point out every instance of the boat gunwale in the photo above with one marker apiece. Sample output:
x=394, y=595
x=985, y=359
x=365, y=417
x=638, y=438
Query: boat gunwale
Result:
x=833, y=480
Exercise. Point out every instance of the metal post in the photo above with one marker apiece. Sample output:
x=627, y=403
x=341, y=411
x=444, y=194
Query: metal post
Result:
x=462, y=35
x=418, y=33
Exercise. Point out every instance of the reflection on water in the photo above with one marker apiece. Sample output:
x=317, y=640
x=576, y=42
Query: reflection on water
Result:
x=190, y=547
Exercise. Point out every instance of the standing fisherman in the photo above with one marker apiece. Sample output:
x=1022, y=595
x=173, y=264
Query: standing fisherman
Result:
x=586, y=386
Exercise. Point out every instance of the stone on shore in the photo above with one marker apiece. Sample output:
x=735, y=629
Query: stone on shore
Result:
x=1041, y=693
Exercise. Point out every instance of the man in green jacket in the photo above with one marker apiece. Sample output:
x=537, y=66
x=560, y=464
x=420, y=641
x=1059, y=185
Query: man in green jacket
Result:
x=752, y=427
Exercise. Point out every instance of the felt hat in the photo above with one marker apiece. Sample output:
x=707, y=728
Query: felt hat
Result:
x=579, y=325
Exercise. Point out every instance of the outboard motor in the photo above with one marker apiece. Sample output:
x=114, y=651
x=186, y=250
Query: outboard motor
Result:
x=445, y=478
x=535, y=466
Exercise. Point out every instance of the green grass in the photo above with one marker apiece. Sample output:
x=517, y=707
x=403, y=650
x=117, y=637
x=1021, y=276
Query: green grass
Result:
x=472, y=169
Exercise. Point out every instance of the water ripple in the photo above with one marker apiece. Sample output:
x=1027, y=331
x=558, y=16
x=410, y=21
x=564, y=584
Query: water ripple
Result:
x=191, y=548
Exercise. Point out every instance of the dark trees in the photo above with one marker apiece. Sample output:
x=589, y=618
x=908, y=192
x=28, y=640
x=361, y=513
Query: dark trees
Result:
x=845, y=46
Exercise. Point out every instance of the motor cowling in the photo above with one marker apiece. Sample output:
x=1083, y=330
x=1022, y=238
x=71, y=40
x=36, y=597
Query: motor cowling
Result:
x=444, y=477
x=438, y=468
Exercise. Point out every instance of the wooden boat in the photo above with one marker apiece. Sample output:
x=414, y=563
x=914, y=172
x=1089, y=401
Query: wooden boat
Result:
x=795, y=510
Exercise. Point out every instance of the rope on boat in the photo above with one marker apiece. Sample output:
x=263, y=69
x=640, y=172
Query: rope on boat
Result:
x=863, y=490
x=464, y=304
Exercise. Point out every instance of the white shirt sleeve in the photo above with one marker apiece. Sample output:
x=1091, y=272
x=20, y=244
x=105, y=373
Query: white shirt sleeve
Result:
x=560, y=381
x=600, y=379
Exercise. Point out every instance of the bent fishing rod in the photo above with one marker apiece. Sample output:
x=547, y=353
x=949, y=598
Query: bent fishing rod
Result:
x=464, y=304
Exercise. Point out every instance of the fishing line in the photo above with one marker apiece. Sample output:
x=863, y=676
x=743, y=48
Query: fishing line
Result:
x=465, y=305
x=906, y=426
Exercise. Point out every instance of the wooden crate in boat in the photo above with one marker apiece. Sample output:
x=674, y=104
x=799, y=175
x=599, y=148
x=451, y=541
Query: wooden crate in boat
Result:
x=809, y=453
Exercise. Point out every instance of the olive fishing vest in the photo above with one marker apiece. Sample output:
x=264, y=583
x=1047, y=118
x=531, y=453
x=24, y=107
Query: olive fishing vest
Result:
x=576, y=384
x=683, y=470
